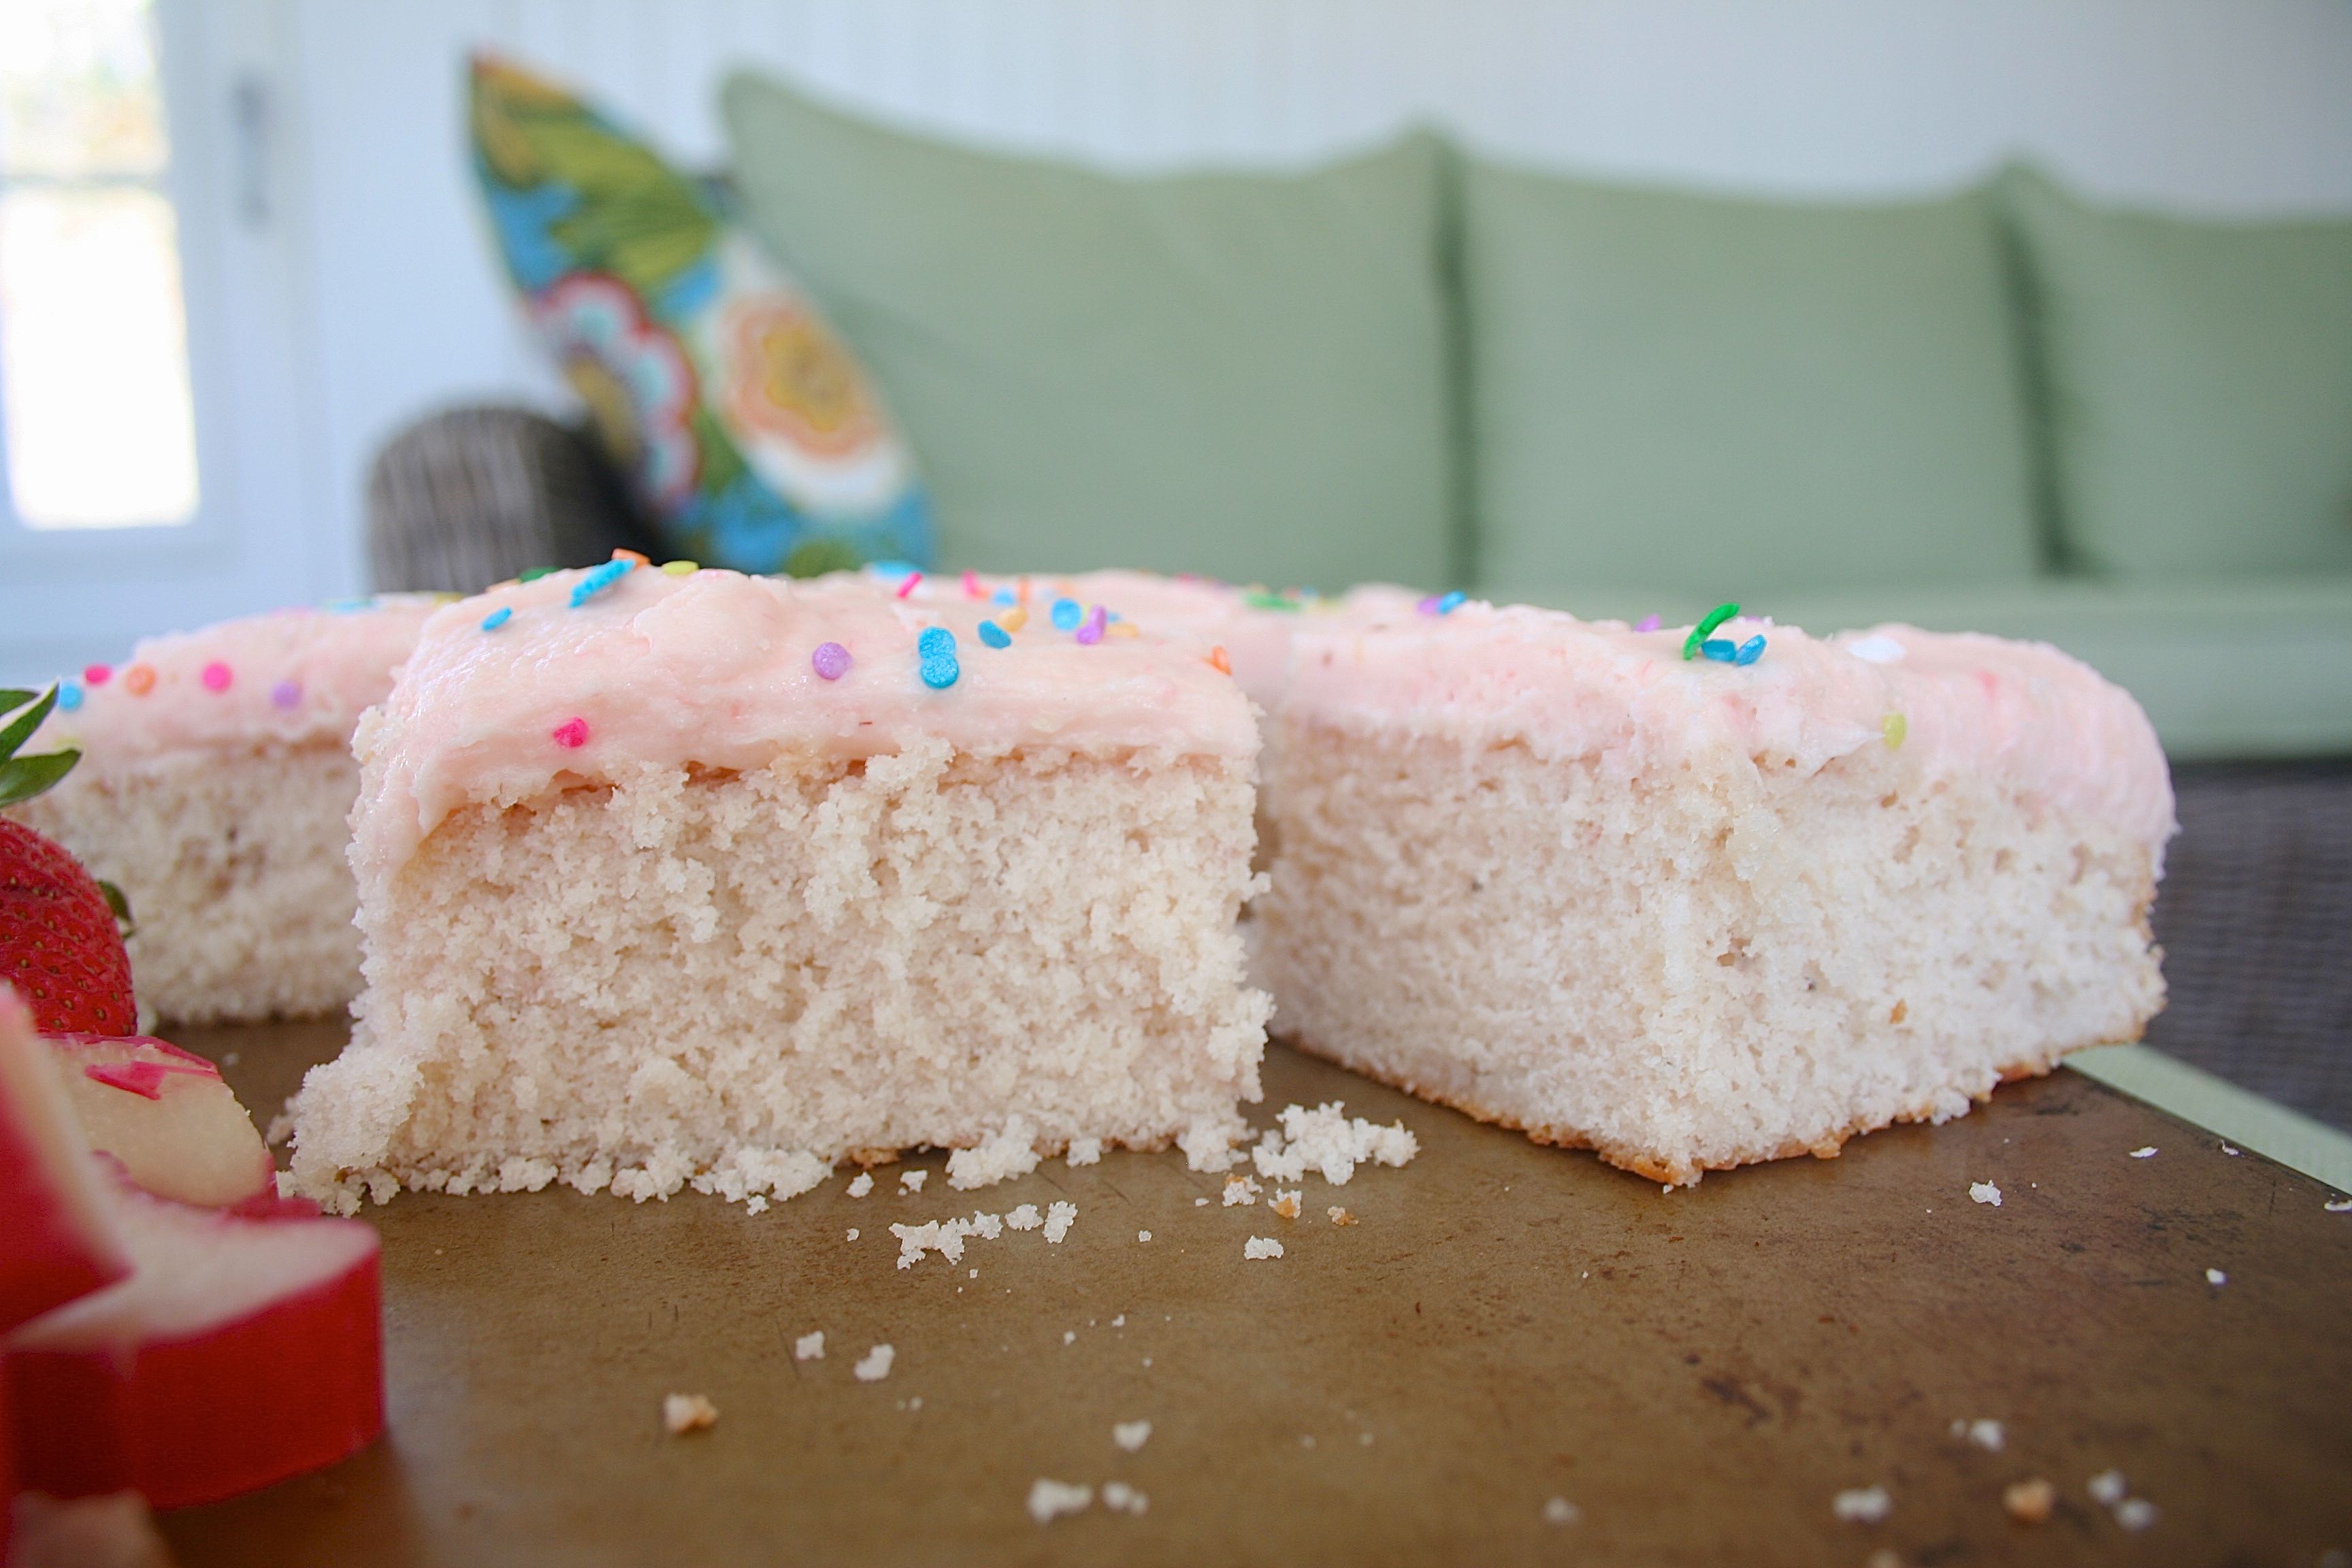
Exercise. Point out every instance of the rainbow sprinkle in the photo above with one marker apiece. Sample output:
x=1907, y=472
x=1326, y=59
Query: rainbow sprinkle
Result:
x=1647, y=624
x=1014, y=619
x=69, y=696
x=600, y=578
x=937, y=648
x=1699, y=633
x=1894, y=730
x=97, y=674
x=533, y=574
x=680, y=568
x=1723, y=651
x=572, y=734
x=913, y=581
x=1749, y=651
x=498, y=617
x=831, y=660
x=971, y=588
x=287, y=693
x=216, y=676
x=138, y=680
x=349, y=606
x=1066, y=615
x=1004, y=597
x=995, y=636
x=1092, y=632
x=1219, y=661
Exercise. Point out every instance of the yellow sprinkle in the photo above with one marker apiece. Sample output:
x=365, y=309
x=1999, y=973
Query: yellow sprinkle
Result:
x=1124, y=630
x=682, y=568
x=1895, y=729
x=1014, y=619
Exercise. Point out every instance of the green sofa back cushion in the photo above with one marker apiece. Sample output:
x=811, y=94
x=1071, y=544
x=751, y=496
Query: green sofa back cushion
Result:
x=2199, y=381
x=1738, y=397
x=1238, y=374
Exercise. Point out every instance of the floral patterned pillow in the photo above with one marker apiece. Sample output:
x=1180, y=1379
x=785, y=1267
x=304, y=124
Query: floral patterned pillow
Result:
x=752, y=435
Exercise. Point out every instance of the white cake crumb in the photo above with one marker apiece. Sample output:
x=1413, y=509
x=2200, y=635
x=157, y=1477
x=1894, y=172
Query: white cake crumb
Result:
x=809, y=1347
x=1141, y=1236
x=975, y=1274
x=1007, y=1152
x=1059, y=1218
x=1241, y=1190
x=1258, y=1246
x=1339, y=1215
x=1203, y=1203
x=1120, y=1498
x=2029, y=1501
x=2135, y=1513
x=1556, y=1511
x=912, y=1181
x=684, y=1413
x=987, y=1226
x=2231, y=1149
x=2215, y=1276
x=1131, y=1436
x=931, y=1236
x=1025, y=1217
x=1049, y=1499
x=875, y=1366
x=755, y=1203
x=1070, y=1336
x=1285, y=1203
x=1877, y=649
x=2145, y=1151
x=1984, y=1193
x=1120, y=1322
x=1325, y=1140
x=1861, y=1505
x=2336, y=1206
x=1083, y=1151
x=853, y=1233
x=861, y=1184
x=2108, y=1488
x=1987, y=1435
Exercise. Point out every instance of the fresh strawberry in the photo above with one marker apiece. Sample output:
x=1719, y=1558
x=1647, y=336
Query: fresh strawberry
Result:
x=59, y=945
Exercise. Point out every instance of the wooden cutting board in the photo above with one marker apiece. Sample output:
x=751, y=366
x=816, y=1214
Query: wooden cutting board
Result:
x=1696, y=1374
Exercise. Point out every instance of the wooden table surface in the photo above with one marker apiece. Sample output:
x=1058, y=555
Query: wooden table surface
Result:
x=1698, y=1373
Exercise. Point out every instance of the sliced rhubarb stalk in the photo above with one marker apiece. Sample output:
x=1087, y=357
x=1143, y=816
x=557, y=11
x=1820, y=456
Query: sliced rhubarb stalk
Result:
x=241, y=1350
x=57, y=1237
x=166, y=1115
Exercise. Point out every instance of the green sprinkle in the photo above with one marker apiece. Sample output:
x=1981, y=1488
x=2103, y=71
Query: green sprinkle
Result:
x=1715, y=617
x=533, y=573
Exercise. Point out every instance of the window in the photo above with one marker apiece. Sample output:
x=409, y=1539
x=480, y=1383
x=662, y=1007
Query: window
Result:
x=95, y=407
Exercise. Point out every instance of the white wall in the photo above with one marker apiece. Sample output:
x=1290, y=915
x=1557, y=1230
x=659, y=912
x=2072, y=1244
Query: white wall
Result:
x=2224, y=106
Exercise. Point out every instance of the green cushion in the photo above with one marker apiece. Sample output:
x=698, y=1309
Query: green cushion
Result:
x=1732, y=397
x=2199, y=377
x=2253, y=668
x=1238, y=374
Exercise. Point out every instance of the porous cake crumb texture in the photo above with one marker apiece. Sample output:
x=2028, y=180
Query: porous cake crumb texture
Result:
x=734, y=980
x=1733, y=959
x=234, y=864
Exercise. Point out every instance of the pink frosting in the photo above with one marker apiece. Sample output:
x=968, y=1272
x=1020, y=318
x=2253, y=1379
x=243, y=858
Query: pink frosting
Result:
x=716, y=669
x=290, y=676
x=1569, y=688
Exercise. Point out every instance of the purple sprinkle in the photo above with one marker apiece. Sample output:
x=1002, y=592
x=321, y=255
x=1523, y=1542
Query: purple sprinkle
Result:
x=1646, y=623
x=1429, y=606
x=287, y=693
x=1092, y=632
x=831, y=660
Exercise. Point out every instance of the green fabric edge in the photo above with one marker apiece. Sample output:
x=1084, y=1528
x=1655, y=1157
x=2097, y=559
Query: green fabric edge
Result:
x=2243, y=1119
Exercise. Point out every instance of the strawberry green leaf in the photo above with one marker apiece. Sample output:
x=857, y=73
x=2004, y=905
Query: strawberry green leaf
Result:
x=121, y=905
x=22, y=778
x=11, y=699
x=20, y=729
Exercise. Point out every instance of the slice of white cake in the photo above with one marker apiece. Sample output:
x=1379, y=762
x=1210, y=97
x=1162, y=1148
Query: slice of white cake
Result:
x=1692, y=913
x=214, y=787
x=670, y=878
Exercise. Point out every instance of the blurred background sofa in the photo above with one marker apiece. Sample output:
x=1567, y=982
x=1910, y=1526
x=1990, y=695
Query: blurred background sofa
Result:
x=2006, y=409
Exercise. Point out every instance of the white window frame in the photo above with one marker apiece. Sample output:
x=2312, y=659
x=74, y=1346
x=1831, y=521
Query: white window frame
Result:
x=71, y=597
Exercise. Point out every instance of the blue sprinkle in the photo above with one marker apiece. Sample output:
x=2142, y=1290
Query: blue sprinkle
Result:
x=1068, y=614
x=1005, y=596
x=894, y=569
x=995, y=636
x=498, y=617
x=1720, y=649
x=940, y=673
x=1749, y=651
x=935, y=642
x=349, y=606
x=599, y=578
x=69, y=696
x=1452, y=602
